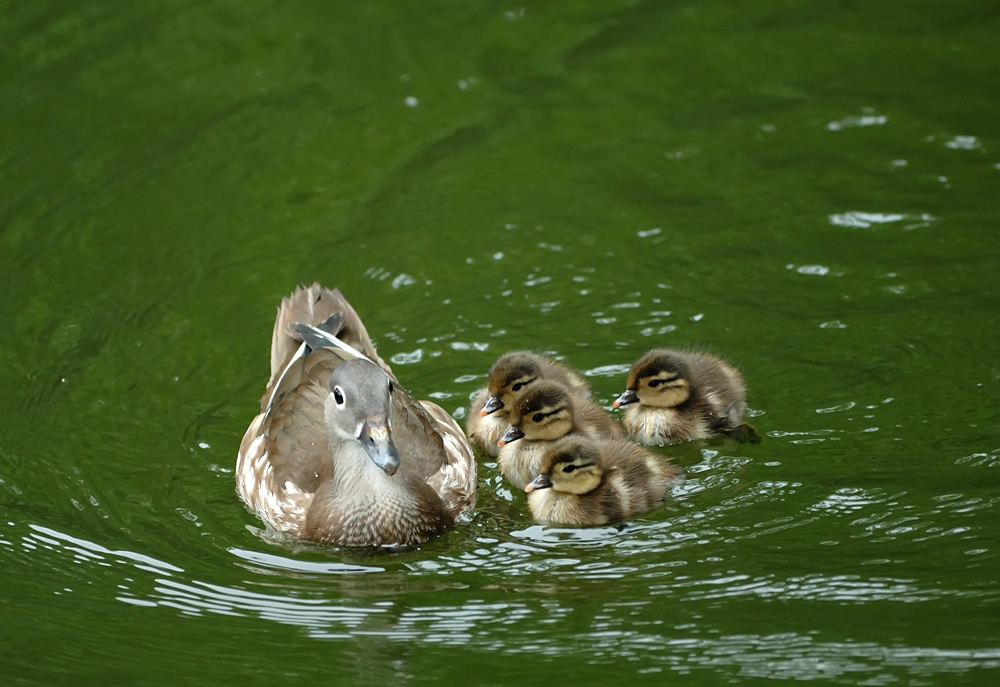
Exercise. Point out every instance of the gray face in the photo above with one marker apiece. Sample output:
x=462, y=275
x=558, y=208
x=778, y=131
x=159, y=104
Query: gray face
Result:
x=359, y=406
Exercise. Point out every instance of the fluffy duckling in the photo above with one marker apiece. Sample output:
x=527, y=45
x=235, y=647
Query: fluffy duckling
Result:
x=341, y=453
x=544, y=413
x=511, y=375
x=586, y=482
x=675, y=396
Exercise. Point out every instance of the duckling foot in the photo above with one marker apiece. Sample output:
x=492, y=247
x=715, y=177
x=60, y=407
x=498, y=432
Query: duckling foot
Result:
x=745, y=434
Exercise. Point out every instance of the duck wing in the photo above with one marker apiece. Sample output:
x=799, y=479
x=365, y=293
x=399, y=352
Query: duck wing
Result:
x=285, y=456
x=296, y=440
x=456, y=480
x=434, y=449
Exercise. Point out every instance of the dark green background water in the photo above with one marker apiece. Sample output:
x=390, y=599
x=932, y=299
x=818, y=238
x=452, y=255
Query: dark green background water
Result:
x=807, y=188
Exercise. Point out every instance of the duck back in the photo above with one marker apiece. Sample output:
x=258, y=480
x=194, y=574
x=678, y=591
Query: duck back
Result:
x=317, y=305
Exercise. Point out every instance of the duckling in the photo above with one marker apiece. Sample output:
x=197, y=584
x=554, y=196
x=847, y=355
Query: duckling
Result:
x=587, y=482
x=510, y=376
x=341, y=453
x=681, y=396
x=544, y=413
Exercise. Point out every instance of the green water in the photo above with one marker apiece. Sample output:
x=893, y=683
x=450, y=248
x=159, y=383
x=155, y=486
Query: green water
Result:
x=807, y=188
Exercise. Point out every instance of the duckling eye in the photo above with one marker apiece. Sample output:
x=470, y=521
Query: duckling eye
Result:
x=569, y=468
x=537, y=417
x=653, y=383
x=517, y=386
x=338, y=396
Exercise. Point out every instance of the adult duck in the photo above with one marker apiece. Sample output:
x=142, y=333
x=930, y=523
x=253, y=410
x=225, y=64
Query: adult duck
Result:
x=341, y=453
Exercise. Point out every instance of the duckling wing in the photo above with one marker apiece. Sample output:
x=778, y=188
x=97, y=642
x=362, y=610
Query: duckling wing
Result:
x=592, y=420
x=722, y=388
x=637, y=479
x=576, y=384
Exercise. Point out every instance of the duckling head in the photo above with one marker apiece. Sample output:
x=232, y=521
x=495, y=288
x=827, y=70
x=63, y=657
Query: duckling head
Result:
x=508, y=379
x=542, y=413
x=572, y=465
x=357, y=410
x=660, y=379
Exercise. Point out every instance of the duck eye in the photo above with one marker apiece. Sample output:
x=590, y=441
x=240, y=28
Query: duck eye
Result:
x=569, y=468
x=537, y=417
x=517, y=386
x=653, y=383
x=338, y=396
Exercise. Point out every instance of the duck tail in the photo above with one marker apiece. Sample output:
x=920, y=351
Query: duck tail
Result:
x=326, y=309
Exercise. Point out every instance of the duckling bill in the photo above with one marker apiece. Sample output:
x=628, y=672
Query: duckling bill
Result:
x=341, y=453
x=674, y=396
x=586, y=482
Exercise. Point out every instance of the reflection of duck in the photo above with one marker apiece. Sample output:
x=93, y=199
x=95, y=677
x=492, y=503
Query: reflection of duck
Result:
x=544, y=413
x=511, y=375
x=341, y=453
x=675, y=396
x=586, y=482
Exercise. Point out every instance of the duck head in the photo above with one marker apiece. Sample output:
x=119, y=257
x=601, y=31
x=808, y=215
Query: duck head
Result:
x=659, y=379
x=357, y=410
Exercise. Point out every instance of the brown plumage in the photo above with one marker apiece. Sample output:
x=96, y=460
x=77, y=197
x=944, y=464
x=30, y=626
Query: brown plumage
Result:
x=675, y=396
x=586, y=482
x=510, y=377
x=340, y=452
x=544, y=413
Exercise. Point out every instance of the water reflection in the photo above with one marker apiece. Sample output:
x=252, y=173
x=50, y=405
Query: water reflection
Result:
x=83, y=551
x=508, y=594
x=267, y=563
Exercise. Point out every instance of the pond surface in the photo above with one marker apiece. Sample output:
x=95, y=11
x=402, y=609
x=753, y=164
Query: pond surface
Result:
x=808, y=189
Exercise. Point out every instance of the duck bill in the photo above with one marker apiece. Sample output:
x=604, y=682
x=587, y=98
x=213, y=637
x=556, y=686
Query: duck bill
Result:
x=512, y=434
x=492, y=405
x=628, y=397
x=540, y=482
x=378, y=445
